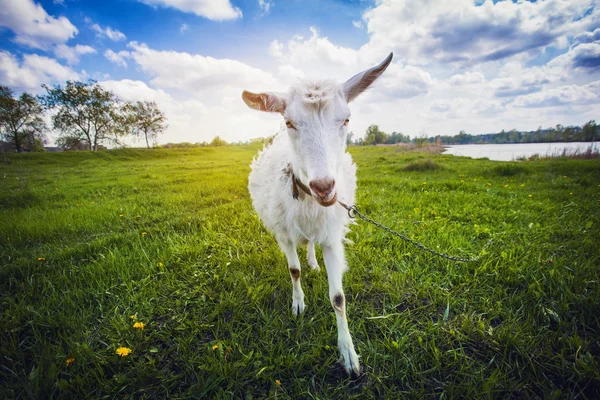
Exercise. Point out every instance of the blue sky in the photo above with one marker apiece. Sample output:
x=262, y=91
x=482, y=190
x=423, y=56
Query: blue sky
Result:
x=478, y=66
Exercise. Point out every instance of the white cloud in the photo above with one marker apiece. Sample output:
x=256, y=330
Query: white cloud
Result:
x=211, y=9
x=183, y=28
x=32, y=25
x=32, y=71
x=357, y=24
x=72, y=53
x=117, y=58
x=581, y=56
x=406, y=81
x=199, y=74
x=467, y=78
x=113, y=34
x=265, y=5
x=561, y=96
x=465, y=33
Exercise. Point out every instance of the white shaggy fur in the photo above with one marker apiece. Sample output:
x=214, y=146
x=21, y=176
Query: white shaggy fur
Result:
x=313, y=149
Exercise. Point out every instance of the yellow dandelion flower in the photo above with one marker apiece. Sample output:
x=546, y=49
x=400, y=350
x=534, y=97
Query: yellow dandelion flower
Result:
x=424, y=183
x=277, y=382
x=216, y=346
x=144, y=233
x=41, y=259
x=506, y=185
x=235, y=197
x=530, y=195
x=69, y=361
x=132, y=316
x=123, y=351
x=161, y=264
x=139, y=325
x=121, y=215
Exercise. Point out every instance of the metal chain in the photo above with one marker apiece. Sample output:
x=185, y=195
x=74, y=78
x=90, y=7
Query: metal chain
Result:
x=353, y=213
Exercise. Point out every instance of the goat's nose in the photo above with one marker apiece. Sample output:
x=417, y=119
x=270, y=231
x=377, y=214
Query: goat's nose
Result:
x=322, y=187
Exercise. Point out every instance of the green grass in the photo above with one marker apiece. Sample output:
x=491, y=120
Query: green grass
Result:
x=170, y=237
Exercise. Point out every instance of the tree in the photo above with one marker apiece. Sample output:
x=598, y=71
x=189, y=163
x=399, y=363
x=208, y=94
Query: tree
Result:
x=143, y=118
x=217, y=141
x=590, y=129
x=349, y=138
x=374, y=136
x=21, y=121
x=85, y=111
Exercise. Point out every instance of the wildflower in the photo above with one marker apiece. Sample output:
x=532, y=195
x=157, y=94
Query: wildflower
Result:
x=424, y=183
x=277, y=382
x=160, y=265
x=522, y=184
x=139, y=325
x=123, y=351
x=395, y=344
x=144, y=233
x=69, y=361
x=506, y=185
x=530, y=195
x=121, y=215
x=235, y=197
x=41, y=259
x=216, y=346
x=132, y=316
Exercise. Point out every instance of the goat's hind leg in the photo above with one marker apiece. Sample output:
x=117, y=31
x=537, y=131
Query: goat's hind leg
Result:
x=289, y=249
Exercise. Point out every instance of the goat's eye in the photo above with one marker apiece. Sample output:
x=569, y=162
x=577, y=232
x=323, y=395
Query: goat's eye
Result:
x=346, y=121
x=289, y=124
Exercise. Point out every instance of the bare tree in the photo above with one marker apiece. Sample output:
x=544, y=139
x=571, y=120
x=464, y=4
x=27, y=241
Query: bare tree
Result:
x=21, y=122
x=143, y=119
x=85, y=111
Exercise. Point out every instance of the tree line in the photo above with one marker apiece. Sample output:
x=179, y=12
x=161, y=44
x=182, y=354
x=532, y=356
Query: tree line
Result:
x=586, y=133
x=86, y=116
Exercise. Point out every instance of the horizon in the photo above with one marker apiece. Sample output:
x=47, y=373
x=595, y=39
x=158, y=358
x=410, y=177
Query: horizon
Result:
x=477, y=66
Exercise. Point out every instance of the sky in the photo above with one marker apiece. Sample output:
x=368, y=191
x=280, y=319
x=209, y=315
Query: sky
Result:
x=478, y=66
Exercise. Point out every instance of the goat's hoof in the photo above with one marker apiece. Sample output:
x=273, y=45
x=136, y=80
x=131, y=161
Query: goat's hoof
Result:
x=315, y=267
x=350, y=363
x=298, y=307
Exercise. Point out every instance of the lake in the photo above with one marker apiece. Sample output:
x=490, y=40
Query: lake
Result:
x=509, y=152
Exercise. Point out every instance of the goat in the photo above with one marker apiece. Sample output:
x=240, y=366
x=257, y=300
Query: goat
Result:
x=316, y=115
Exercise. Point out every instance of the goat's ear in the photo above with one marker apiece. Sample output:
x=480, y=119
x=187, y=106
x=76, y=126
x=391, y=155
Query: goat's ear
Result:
x=360, y=82
x=269, y=102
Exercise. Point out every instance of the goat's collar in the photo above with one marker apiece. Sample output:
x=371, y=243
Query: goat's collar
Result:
x=297, y=183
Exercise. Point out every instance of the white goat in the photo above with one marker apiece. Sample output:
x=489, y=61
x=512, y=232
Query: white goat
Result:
x=313, y=150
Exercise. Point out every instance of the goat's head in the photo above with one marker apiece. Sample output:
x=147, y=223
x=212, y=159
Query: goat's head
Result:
x=316, y=115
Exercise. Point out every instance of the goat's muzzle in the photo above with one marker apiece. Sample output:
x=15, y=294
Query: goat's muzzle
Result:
x=324, y=191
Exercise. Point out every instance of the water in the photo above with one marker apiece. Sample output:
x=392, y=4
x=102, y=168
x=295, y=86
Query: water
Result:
x=509, y=152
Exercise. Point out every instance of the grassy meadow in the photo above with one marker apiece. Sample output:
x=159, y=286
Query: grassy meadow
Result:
x=93, y=243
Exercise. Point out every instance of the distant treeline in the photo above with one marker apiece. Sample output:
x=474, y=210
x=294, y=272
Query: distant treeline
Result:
x=586, y=133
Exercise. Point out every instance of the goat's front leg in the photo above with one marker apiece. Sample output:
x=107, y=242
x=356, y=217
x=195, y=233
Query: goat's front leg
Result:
x=335, y=263
x=289, y=249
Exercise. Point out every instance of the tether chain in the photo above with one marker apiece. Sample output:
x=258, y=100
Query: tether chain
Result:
x=353, y=213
